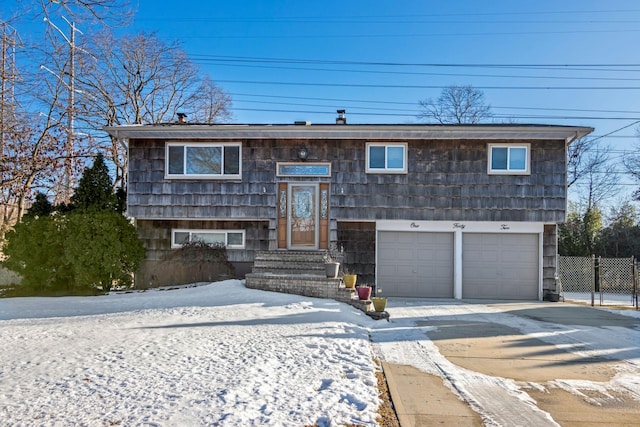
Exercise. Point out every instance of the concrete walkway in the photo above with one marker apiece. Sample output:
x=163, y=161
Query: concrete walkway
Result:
x=540, y=368
x=421, y=399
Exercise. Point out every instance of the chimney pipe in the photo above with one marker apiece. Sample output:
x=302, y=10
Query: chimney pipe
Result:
x=342, y=118
x=182, y=118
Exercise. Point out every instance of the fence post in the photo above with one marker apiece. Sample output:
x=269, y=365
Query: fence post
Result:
x=634, y=278
x=595, y=278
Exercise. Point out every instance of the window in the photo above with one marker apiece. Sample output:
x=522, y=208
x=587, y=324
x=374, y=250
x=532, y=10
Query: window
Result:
x=303, y=169
x=386, y=158
x=509, y=159
x=232, y=239
x=203, y=160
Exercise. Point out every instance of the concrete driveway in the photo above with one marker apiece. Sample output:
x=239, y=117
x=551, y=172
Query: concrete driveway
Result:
x=452, y=363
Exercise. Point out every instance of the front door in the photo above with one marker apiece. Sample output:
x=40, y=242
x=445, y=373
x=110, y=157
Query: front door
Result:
x=303, y=216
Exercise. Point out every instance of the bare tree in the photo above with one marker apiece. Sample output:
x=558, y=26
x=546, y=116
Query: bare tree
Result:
x=108, y=12
x=598, y=179
x=456, y=105
x=590, y=171
x=139, y=80
x=584, y=156
x=32, y=126
x=32, y=157
x=212, y=105
x=35, y=104
x=632, y=164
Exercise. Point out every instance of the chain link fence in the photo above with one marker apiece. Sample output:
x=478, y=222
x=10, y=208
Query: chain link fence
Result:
x=596, y=280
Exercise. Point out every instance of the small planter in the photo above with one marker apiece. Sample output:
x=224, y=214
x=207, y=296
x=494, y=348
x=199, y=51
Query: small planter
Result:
x=349, y=280
x=331, y=268
x=364, y=292
x=379, y=304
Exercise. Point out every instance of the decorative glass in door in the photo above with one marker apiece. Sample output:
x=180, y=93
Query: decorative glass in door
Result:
x=303, y=216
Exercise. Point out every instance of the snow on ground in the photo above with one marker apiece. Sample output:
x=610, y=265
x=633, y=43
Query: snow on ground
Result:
x=218, y=354
x=223, y=355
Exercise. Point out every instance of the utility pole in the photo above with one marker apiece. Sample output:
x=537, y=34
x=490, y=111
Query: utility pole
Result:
x=64, y=194
x=7, y=79
x=70, y=149
x=8, y=75
x=4, y=77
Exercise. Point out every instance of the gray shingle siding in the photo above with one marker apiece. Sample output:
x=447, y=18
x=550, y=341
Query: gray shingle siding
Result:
x=447, y=180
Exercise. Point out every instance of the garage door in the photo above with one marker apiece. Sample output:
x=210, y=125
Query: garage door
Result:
x=500, y=266
x=415, y=264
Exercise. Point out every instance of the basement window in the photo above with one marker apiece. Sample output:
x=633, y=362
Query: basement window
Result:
x=203, y=160
x=232, y=239
x=386, y=157
x=509, y=159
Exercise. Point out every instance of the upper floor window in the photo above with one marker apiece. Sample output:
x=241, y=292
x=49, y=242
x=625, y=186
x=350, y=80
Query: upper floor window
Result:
x=509, y=159
x=232, y=239
x=203, y=160
x=386, y=158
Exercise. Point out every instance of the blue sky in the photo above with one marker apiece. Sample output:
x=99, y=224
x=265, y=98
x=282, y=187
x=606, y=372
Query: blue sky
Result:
x=337, y=45
x=572, y=62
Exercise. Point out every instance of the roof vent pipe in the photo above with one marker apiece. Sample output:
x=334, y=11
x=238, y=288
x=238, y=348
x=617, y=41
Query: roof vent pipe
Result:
x=182, y=118
x=342, y=118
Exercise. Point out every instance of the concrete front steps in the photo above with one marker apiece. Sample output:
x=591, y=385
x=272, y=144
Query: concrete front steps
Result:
x=300, y=273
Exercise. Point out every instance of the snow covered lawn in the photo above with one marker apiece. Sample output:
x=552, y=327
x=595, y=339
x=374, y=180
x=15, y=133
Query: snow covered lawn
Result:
x=223, y=355
x=217, y=354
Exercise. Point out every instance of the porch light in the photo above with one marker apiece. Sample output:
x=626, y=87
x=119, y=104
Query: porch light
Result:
x=303, y=153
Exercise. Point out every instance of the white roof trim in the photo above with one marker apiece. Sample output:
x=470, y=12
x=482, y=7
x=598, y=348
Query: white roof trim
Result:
x=365, y=132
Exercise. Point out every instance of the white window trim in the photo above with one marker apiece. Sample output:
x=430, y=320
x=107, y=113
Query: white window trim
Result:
x=167, y=175
x=526, y=171
x=192, y=231
x=402, y=170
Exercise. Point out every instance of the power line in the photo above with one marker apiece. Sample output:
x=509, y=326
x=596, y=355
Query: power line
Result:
x=392, y=86
x=321, y=99
x=368, y=18
x=405, y=35
x=415, y=73
x=371, y=101
x=597, y=67
x=416, y=113
x=394, y=20
x=615, y=131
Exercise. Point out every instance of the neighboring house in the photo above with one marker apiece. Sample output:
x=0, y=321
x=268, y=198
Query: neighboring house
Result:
x=454, y=211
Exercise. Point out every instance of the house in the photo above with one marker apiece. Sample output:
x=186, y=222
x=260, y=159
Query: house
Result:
x=453, y=211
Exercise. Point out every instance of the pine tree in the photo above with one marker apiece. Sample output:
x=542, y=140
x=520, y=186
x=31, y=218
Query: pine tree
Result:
x=87, y=248
x=95, y=190
x=40, y=207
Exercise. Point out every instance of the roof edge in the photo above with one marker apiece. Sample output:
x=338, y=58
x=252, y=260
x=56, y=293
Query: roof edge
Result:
x=331, y=131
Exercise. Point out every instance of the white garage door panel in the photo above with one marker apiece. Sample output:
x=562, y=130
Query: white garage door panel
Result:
x=500, y=266
x=415, y=264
